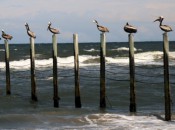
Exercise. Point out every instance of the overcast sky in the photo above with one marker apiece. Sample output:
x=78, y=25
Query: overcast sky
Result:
x=75, y=16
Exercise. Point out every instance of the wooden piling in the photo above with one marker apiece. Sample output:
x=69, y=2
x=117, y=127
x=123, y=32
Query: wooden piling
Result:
x=33, y=78
x=7, y=54
x=102, y=71
x=166, y=78
x=132, y=106
x=55, y=75
x=76, y=70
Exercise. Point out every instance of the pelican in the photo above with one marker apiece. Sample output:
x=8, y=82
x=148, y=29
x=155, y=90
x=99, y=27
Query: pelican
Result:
x=101, y=28
x=164, y=28
x=52, y=30
x=129, y=28
x=30, y=33
x=6, y=36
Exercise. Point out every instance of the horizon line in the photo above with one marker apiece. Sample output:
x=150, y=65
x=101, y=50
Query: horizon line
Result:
x=84, y=42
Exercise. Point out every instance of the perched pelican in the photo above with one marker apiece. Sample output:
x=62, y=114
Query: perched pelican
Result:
x=30, y=33
x=101, y=28
x=165, y=28
x=129, y=28
x=6, y=36
x=52, y=30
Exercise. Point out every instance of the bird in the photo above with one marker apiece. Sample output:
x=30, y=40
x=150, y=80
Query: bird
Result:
x=164, y=28
x=129, y=28
x=53, y=30
x=101, y=28
x=30, y=33
x=6, y=36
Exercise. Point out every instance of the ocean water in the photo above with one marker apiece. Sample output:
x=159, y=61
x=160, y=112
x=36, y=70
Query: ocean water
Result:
x=17, y=111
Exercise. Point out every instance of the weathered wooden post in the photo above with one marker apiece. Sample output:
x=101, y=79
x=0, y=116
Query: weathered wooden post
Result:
x=132, y=74
x=7, y=54
x=166, y=78
x=33, y=78
x=76, y=70
x=55, y=75
x=102, y=71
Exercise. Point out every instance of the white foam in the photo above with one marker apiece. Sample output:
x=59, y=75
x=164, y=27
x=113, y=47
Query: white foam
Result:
x=140, y=58
x=118, y=60
x=2, y=49
x=115, y=122
x=144, y=58
x=92, y=50
x=125, y=49
x=119, y=121
x=101, y=121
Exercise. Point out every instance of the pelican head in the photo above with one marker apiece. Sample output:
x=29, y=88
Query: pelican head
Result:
x=26, y=24
x=49, y=25
x=95, y=21
x=2, y=30
x=160, y=18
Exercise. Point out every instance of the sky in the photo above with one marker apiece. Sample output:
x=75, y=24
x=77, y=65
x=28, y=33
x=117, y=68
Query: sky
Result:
x=76, y=16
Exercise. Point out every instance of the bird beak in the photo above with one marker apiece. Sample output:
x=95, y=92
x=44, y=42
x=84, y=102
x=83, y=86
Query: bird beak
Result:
x=94, y=21
x=157, y=20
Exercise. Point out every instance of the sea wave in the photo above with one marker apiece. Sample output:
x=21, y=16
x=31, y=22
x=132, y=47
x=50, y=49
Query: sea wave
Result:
x=119, y=121
x=90, y=121
x=144, y=58
x=92, y=50
x=2, y=49
x=125, y=49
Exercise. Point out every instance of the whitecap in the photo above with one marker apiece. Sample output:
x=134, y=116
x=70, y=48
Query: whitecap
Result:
x=92, y=50
x=2, y=50
x=125, y=49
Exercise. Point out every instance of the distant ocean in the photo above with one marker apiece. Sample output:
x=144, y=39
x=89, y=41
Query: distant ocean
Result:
x=19, y=112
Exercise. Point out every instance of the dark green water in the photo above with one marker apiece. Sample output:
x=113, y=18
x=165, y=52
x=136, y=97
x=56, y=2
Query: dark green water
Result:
x=19, y=111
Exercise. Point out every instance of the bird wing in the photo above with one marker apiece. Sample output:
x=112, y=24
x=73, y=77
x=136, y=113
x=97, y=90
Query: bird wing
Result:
x=166, y=28
x=31, y=34
x=107, y=30
x=7, y=36
x=53, y=30
x=130, y=29
x=103, y=29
